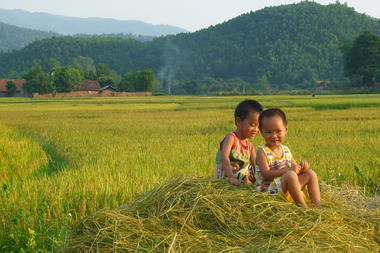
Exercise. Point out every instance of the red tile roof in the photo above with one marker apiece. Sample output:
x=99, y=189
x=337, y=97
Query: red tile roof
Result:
x=90, y=85
x=19, y=83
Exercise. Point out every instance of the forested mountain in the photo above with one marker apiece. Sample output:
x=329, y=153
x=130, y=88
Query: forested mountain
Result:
x=285, y=44
x=71, y=25
x=13, y=37
x=290, y=45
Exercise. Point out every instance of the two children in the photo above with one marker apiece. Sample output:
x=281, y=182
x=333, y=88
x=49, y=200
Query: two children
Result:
x=277, y=172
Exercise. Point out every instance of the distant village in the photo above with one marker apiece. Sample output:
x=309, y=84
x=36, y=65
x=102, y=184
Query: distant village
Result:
x=88, y=88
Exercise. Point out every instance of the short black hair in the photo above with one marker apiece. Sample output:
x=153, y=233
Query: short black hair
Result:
x=270, y=113
x=247, y=106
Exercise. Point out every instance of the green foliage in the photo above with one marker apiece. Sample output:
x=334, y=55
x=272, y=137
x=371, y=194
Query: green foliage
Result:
x=89, y=75
x=102, y=70
x=51, y=63
x=263, y=83
x=11, y=88
x=127, y=83
x=142, y=38
x=362, y=60
x=66, y=78
x=105, y=76
x=366, y=182
x=143, y=80
x=213, y=86
x=86, y=64
x=117, y=53
x=37, y=81
x=106, y=80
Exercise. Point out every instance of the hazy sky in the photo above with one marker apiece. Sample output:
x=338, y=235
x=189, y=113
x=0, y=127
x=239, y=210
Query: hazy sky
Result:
x=188, y=14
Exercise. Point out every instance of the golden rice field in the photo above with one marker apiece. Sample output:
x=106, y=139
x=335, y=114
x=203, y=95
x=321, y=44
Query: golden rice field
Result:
x=62, y=160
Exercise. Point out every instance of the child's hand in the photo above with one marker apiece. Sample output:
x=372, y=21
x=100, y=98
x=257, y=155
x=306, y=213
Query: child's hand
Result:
x=304, y=165
x=296, y=168
x=235, y=167
x=233, y=181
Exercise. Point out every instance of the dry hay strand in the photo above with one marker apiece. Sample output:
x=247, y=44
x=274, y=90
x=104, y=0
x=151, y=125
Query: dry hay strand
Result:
x=209, y=215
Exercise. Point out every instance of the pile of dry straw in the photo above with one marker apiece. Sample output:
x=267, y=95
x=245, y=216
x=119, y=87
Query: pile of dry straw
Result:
x=209, y=215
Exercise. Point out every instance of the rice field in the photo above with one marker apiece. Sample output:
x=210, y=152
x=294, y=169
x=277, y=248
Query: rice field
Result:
x=62, y=160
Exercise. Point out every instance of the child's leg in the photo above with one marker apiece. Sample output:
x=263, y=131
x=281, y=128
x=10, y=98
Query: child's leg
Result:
x=291, y=184
x=310, y=178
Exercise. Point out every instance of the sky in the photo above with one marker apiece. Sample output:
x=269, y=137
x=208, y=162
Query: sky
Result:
x=191, y=15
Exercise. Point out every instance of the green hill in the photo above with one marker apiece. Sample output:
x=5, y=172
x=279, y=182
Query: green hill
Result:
x=290, y=45
x=287, y=44
x=13, y=37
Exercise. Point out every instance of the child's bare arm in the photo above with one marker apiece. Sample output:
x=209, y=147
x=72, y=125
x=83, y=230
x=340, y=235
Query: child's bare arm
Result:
x=253, y=162
x=253, y=157
x=262, y=162
x=226, y=163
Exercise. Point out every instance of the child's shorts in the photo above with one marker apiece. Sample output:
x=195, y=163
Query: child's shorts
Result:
x=289, y=198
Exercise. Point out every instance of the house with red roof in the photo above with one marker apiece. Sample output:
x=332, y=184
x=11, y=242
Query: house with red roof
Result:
x=19, y=83
x=90, y=85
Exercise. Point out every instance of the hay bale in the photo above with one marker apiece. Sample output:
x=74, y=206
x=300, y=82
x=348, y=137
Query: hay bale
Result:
x=209, y=215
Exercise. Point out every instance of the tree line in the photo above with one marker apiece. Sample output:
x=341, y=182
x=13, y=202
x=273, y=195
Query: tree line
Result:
x=68, y=78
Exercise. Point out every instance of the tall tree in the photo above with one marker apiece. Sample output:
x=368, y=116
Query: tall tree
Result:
x=145, y=80
x=89, y=75
x=127, y=82
x=11, y=88
x=37, y=81
x=362, y=59
x=105, y=76
x=102, y=70
x=106, y=80
x=66, y=79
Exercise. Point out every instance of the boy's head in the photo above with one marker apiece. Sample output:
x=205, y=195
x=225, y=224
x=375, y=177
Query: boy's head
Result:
x=247, y=118
x=247, y=106
x=271, y=113
x=273, y=126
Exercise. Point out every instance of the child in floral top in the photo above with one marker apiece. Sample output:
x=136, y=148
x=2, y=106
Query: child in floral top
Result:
x=236, y=155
